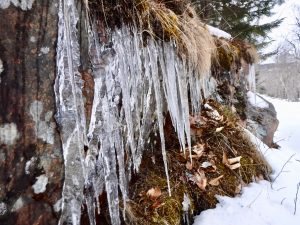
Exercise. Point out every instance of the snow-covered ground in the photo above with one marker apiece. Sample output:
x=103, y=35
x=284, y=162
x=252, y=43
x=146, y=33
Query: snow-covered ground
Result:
x=264, y=203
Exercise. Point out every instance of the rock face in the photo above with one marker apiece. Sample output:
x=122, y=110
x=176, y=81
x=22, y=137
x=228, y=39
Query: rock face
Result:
x=31, y=166
x=262, y=121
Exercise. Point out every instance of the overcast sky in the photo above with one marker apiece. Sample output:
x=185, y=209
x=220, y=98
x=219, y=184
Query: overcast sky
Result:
x=287, y=11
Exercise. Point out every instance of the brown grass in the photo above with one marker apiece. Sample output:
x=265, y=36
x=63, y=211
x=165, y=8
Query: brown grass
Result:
x=167, y=20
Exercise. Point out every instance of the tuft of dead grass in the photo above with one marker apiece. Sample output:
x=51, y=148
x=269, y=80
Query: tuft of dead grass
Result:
x=229, y=54
x=167, y=20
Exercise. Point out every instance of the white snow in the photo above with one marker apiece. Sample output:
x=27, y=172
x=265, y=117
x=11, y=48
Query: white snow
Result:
x=257, y=101
x=265, y=203
x=217, y=32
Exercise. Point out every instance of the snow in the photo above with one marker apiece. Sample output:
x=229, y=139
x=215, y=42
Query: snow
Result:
x=266, y=203
x=257, y=101
x=217, y=32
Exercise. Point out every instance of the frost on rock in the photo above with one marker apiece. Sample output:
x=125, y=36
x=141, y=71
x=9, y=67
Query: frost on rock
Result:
x=23, y=4
x=134, y=87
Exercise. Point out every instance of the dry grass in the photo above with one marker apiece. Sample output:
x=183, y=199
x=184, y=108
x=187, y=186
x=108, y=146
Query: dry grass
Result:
x=230, y=53
x=167, y=20
x=168, y=210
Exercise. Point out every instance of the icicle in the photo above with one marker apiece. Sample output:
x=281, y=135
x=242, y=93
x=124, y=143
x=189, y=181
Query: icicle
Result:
x=132, y=83
x=251, y=78
x=158, y=98
x=70, y=112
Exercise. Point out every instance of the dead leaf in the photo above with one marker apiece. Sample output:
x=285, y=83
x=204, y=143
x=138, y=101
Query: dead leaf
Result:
x=232, y=163
x=215, y=181
x=234, y=166
x=200, y=179
x=259, y=178
x=238, y=189
x=210, y=155
x=154, y=193
x=198, y=150
x=189, y=165
x=157, y=204
x=225, y=159
x=219, y=129
x=234, y=160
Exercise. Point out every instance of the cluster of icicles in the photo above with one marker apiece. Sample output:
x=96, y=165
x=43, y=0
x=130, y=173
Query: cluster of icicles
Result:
x=132, y=85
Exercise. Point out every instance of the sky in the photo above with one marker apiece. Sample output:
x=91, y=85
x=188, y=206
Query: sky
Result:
x=288, y=12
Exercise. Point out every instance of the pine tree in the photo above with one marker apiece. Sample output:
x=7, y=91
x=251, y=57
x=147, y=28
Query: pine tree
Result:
x=240, y=18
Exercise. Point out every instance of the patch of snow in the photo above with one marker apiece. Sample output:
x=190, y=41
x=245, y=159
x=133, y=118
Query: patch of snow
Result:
x=206, y=164
x=23, y=4
x=217, y=32
x=265, y=203
x=40, y=184
x=256, y=100
x=8, y=133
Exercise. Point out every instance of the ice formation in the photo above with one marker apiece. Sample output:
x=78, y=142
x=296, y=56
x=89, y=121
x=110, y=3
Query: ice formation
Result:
x=134, y=87
x=23, y=4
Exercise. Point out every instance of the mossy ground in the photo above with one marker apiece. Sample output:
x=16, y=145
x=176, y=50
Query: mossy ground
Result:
x=142, y=209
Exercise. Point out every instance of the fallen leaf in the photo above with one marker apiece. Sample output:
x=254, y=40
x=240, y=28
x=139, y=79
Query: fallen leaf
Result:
x=234, y=166
x=232, y=163
x=200, y=179
x=215, y=181
x=198, y=150
x=234, y=160
x=154, y=193
x=189, y=165
x=259, y=178
x=157, y=204
x=238, y=189
x=219, y=129
x=225, y=159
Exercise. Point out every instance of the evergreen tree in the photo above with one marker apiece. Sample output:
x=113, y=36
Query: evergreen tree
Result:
x=240, y=18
